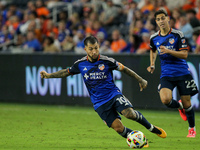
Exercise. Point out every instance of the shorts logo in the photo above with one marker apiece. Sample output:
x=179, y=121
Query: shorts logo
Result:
x=101, y=67
x=183, y=41
x=171, y=41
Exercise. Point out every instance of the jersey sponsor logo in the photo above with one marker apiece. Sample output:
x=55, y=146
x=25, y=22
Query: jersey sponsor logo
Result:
x=157, y=43
x=171, y=47
x=84, y=69
x=184, y=46
x=86, y=76
x=168, y=47
x=183, y=41
x=95, y=75
x=101, y=67
x=171, y=40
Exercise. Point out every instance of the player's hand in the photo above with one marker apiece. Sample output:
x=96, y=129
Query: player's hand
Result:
x=151, y=69
x=44, y=74
x=163, y=50
x=143, y=84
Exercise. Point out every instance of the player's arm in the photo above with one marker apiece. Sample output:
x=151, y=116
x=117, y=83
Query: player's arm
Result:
x=153, y=56
x=126, y=70
x=59, y=74
x=182, y=54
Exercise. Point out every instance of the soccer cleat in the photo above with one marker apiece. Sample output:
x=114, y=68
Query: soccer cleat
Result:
x=182, y=112
x=146, y=144
x=191, y=133
x=163, y=133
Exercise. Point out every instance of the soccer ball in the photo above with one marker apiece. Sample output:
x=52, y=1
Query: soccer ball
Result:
x=136, y=139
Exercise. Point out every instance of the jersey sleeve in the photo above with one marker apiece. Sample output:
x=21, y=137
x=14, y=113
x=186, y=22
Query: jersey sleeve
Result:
x=115, y=65
x=182, y=43
x=152, y=46
x=112, y=63
x=74, y=69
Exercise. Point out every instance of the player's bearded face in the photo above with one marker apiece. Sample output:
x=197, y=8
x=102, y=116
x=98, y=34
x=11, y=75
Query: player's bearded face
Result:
x=92, y=51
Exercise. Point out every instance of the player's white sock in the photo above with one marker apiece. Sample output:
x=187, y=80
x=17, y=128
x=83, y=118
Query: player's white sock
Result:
x=191, y=128
x=153, y=129
x=150, y=129
x=181, y=105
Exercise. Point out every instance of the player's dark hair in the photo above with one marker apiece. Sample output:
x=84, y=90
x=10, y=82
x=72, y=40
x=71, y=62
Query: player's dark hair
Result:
x=161, y=11
x=90, y=39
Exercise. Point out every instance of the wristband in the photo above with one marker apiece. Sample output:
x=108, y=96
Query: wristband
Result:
x=152, y=67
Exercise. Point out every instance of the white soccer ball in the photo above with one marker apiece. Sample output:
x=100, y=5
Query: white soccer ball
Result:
x=136, y=139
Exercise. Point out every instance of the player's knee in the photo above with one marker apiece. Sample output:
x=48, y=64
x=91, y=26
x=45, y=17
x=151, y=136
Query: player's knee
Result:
x=166, y=100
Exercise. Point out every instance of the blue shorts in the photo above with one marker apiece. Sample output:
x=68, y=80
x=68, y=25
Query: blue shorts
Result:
x=185, y=84
x=109, y=111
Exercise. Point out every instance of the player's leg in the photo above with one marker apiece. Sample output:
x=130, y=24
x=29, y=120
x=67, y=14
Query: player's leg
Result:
x=189, y=111
x=111, y=118
x=120, y=128
x=188, y=88
x=165, y=89
x=124, y=107
x=135, y=115
x=166, y=98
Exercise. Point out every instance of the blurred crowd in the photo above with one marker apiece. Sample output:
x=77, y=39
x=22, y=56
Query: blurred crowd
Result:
x=121, y=26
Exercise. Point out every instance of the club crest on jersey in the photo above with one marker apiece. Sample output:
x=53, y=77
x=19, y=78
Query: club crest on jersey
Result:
x=171, y=41
x=183, y=41
x=101, y=67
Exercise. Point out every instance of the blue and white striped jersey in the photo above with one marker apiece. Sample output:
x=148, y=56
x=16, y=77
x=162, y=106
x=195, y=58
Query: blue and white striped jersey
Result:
x=170, y=66
x=98, y=78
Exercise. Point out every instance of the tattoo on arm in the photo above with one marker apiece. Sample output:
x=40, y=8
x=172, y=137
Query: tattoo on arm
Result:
x=59, y=74
x=131, y=73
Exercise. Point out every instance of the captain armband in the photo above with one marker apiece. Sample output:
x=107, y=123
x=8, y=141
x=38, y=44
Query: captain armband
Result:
x=120, y=66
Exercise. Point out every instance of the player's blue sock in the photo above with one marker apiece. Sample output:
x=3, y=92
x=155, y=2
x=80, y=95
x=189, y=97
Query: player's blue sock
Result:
x=190, y=116
x=173, y=104
x=142, y=120
x=126, y=132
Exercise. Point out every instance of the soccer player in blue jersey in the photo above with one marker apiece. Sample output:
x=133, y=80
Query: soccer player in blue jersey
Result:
x=107, y=99
x=172, y=49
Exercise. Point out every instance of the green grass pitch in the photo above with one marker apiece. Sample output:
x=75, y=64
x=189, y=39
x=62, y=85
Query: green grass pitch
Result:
x=36, y=127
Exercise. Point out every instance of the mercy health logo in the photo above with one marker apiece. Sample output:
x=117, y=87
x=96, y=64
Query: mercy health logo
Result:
x=95, y=75
x=55, y=86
